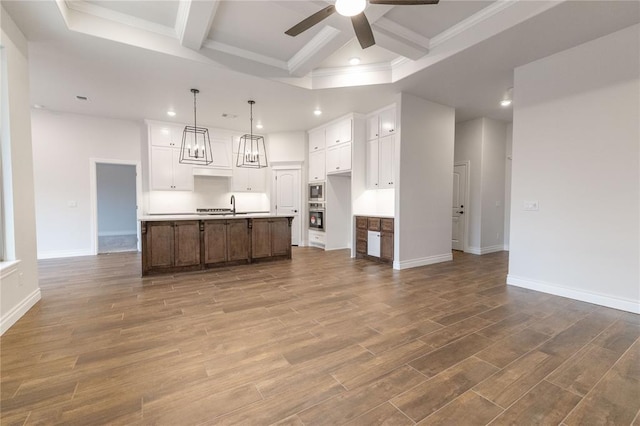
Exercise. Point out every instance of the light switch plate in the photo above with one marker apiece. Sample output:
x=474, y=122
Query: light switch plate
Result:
x=531, y=206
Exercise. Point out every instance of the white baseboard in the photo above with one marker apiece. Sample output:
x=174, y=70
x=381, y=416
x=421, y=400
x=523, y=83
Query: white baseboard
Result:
x=64, y=253
x=118, y=233
x=485, y=250
x=18, y=311
x=414, y=263
x=572, y=293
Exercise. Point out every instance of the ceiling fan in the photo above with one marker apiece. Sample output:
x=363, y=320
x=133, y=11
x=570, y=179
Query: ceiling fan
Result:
x=355, y=10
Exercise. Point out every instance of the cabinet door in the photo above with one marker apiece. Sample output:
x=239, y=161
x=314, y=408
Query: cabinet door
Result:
x=221, y=150
x=317, y=166
x=238, y=239
x=165, y=135
x=261, y=238
x=248, y=180
x=387, y=162
x=387, y=122
x=161, y=168
x=339, y=159
x=215, y=241
x=280, y=237
x=316, y=140
x=338, y=133
x=372, y=127
x=182, y=173
x=386, y=246
x=372, y=164
x=160, y=244
x=187, y=243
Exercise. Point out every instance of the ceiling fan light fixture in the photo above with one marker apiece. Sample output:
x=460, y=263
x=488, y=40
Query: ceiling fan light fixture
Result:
x=350, y=7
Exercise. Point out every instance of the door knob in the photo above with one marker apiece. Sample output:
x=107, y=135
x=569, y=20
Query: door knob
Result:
x=461, y=212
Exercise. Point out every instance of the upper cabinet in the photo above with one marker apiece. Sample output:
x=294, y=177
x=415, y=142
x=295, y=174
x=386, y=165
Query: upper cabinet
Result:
x=380, y=156
x=316, y=140
x=338, y=132
x=381, y=124
x=339, y=159
x=387, y=122
x=166, y=173
x=317, y=170
x=246, y=179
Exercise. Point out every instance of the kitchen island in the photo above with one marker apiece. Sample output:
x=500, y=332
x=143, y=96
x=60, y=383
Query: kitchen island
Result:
x=186, y=242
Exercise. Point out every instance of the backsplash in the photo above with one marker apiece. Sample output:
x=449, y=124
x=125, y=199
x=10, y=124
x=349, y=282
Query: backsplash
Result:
x=208, y=192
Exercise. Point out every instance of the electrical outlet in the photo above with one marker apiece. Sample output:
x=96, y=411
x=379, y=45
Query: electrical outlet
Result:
x=531, y=205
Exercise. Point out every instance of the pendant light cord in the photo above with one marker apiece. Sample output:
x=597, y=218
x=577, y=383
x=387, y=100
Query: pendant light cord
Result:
x=195, y=123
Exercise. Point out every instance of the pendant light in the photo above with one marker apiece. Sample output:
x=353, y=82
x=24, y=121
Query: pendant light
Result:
x=251, y=150
x=196, y=146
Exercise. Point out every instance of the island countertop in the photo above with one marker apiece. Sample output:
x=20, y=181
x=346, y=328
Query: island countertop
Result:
x=205, y=216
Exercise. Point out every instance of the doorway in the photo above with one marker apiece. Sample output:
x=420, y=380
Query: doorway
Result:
x=287, y=199
x=115, y=191
x=458, y=207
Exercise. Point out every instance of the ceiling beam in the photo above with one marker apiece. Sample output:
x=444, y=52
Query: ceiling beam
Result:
x=400, y=40
x=193, y=22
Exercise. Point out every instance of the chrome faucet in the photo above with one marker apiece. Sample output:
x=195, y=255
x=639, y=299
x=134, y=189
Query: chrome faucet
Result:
x=233, y=204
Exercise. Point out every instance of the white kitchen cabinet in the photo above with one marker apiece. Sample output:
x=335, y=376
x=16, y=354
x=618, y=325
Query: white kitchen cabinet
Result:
x=167, y=174
x=380, y=163
x=338, y=133
x=371, y=165
x=316, y=140
x=221, y=150
x=246, y=179
x=317, y=170
x=373, y=127
x=387, y=122
x=386, y=163
x=339, y=158
x=168, y=135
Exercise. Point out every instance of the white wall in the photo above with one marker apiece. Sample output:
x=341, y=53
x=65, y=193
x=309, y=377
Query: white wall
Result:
x=287, y=146
x=576, y=152
x=63, y=145
x=19, y=288
x=482, y=143
x=425, y=185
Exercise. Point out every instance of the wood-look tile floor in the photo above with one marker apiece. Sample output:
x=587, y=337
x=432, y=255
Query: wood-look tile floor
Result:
x=322, y=339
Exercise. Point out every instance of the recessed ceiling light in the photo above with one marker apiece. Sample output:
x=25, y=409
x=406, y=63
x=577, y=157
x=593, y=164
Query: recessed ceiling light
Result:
x=317, y=111
x=354, y=61
x=171, y=113
x=226, y=115
x=82, y=98
x=259, y=126
x=507, y=98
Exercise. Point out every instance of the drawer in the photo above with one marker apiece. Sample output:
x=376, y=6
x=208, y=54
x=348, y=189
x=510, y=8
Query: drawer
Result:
x=361, y=234
x=386, y=225
x=374, y=224
x=316, y=238
x=361, y=222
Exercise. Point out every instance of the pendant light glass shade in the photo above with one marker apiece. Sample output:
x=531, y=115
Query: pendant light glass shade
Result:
x=196, y=145
x=251, y=150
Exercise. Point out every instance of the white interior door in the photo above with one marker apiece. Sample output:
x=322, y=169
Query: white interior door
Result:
x=287, y=188
x=458, y=206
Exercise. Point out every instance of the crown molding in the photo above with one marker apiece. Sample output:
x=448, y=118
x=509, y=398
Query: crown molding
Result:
x=310, y=50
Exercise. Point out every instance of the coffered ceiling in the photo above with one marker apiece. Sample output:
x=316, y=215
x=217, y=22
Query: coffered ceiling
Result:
x=136, y=59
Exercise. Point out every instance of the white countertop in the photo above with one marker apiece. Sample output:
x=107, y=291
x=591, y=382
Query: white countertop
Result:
x=195, y=216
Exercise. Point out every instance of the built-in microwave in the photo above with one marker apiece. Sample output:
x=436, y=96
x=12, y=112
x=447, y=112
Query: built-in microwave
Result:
x=316, y=192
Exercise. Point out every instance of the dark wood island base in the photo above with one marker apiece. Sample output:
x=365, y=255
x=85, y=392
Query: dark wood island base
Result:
x=170, y=246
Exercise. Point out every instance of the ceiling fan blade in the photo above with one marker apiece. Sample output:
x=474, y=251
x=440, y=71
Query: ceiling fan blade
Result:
x=363, y=30
x=305, y=24
x=403, y=2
